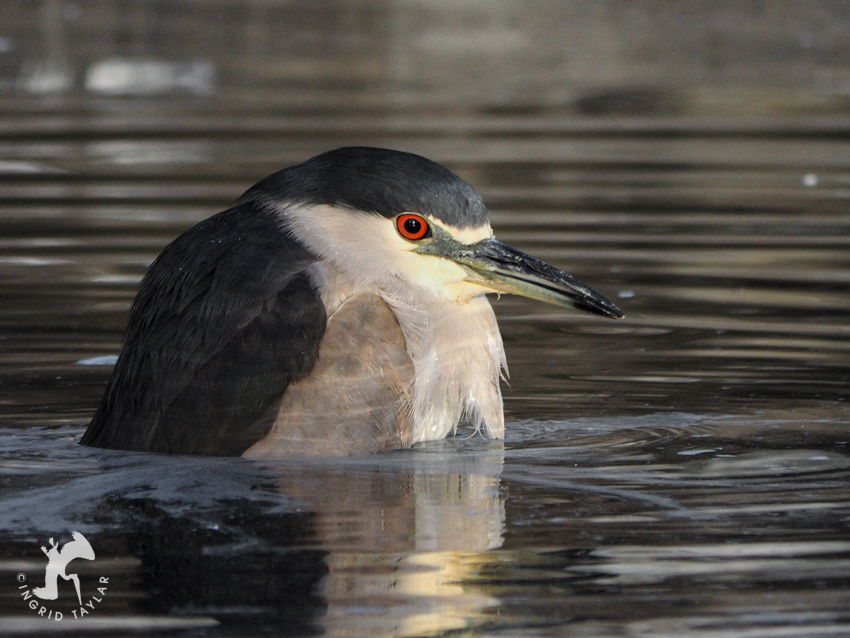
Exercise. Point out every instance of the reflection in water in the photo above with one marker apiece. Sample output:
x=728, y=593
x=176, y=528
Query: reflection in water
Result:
x=431, y=518
x=423, y=594
x=620, y=527
x=302, y=543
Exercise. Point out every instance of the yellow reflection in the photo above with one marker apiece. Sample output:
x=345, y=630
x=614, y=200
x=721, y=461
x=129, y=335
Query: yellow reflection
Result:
x=417, y=594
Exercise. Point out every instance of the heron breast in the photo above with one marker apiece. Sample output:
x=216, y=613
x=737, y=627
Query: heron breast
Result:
x=356, y=399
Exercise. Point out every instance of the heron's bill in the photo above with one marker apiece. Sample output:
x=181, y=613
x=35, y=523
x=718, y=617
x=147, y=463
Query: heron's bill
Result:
x=504, y=269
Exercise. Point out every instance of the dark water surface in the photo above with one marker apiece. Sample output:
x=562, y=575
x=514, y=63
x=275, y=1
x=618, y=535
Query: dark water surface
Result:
x=683, y=472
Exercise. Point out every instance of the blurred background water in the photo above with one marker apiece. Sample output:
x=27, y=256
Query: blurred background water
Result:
x=683, y=472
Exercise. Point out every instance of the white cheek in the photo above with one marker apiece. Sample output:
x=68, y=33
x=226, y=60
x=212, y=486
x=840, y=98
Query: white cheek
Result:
x=431, y=273
x=370, y=252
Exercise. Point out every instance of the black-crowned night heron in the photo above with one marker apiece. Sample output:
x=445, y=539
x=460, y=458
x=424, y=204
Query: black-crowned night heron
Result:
x=338, y=307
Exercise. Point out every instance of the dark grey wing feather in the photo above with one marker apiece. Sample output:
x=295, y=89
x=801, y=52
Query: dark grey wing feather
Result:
x=224, y=320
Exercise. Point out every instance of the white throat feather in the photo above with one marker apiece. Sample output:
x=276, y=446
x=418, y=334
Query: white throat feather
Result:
x=457, y=353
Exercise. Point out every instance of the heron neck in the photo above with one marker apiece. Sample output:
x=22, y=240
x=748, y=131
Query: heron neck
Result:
x=456, y=349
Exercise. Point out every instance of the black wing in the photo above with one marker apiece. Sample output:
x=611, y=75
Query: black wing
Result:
x=224, y=320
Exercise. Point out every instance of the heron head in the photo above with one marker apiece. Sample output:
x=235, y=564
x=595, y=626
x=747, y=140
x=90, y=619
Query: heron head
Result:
x=399, y=223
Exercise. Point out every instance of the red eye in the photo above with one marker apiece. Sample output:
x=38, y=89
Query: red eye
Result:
x=412, y=226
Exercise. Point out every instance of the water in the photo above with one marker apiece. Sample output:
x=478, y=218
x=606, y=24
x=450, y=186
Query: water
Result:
x=683, y=472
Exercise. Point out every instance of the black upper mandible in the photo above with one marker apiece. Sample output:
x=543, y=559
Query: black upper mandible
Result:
x=375, y=180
